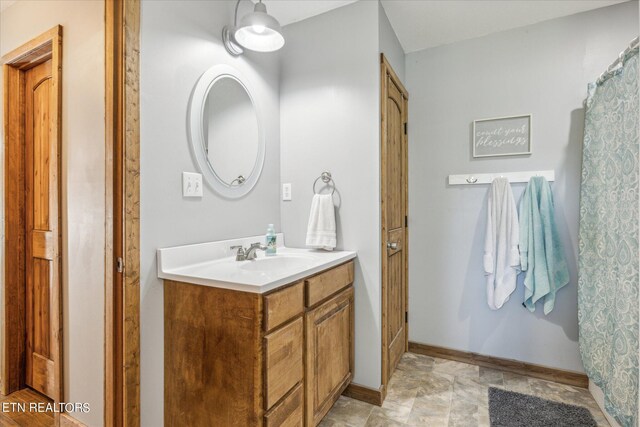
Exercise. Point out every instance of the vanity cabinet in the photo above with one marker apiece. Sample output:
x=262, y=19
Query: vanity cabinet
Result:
x=279, y=359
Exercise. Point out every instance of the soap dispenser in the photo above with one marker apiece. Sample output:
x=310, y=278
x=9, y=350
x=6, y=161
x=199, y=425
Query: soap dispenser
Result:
x=271, y=241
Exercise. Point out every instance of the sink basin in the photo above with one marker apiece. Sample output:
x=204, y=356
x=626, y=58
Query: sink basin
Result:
x=277, y=262
x=214, y=264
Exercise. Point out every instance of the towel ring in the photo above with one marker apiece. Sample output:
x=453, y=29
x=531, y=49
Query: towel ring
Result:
x=326, y=178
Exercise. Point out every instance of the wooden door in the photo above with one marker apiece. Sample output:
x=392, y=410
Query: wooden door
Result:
x=32, y=318
x=42, y=230
x=329, y=354
x=394, y=218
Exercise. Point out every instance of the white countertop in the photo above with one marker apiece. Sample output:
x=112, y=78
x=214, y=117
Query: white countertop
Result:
x=213, y=264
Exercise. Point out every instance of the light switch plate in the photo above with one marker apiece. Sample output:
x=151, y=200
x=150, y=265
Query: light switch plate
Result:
x=191, y=184
x=286, y=191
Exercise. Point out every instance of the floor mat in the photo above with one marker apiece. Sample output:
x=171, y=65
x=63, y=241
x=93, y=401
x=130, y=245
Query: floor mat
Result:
x=511, y=409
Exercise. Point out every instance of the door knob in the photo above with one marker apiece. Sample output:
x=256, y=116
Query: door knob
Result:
x=391, y=245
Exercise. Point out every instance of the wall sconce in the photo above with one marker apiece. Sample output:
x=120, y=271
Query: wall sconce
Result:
x=257, y=31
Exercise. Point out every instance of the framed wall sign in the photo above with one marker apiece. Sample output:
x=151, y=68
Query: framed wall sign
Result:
x=502, y=136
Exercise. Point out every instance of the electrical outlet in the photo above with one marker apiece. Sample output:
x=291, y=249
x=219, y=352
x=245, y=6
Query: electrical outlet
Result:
x=191, y=184
x=286, y=191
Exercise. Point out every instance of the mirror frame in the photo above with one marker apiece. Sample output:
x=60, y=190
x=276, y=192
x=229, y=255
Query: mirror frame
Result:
x=196, y=134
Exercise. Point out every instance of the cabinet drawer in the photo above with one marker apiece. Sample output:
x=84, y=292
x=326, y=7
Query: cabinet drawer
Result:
x=328, y=283
x=283, y=305
x=283, y=361
x=289, y=412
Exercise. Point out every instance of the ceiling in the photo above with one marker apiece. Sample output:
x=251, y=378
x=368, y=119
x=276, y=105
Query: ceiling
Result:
x=286, y=11
x=420, y=24
x=290, y=11
x=423, y=24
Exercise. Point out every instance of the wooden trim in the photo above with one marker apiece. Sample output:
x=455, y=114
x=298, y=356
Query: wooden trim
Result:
x=113, y=138
x=67, y=420
x=131, y=293
x=122, y=204
x=383, y=237
x=561, y=376
x=57, y=320
x=406, y=225
x=38, y=50
x=14, y=249
x=386, y=70
x=365, y=394
x=33, y=52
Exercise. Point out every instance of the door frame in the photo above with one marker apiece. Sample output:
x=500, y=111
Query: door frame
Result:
x=122, y=213
x=47, y=46
x=386, y=73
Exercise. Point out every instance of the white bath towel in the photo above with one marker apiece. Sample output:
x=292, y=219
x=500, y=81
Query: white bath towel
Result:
x=501, y=255
x=321, y=231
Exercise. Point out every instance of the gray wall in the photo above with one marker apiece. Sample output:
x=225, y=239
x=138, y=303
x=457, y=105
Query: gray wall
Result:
x=180, y=41
x=329, y=120
x=541, y=69
x=389, y=44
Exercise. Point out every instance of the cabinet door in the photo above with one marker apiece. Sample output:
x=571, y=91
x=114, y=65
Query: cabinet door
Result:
x=329, y=355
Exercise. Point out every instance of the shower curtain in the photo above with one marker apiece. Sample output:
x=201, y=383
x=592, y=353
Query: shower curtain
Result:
x=608, y=240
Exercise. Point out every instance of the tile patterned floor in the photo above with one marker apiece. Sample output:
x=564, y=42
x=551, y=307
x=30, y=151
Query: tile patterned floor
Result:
x=426, y=391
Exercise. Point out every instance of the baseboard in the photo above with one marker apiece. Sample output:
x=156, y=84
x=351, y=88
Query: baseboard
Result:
x=68, y=421
x=576, y=379
x=366, y=394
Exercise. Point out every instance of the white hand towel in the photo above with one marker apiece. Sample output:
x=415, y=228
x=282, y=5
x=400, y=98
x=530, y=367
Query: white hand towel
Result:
x=321, y=231
x=501, y=256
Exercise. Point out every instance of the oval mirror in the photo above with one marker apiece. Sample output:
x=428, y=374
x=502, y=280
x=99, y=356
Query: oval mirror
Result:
x=226, y=132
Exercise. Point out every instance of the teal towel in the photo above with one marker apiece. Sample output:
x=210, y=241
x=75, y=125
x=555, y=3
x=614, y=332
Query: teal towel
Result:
x=541, y=255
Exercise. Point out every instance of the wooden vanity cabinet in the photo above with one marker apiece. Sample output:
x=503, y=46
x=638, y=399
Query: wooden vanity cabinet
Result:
x=279, y=359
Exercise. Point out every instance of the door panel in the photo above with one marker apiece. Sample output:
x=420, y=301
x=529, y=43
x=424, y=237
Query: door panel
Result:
x=394, y=211
x=396, y=310
x=41, y=378
x=41, y=307
x=41, y=151
x=41, y=193
x=394, y=177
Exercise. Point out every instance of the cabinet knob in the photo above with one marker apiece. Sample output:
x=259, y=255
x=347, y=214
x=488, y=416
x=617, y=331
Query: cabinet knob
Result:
x=392, y=245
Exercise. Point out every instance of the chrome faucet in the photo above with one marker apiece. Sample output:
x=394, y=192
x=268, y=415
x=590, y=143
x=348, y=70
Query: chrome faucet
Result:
x=249, y=253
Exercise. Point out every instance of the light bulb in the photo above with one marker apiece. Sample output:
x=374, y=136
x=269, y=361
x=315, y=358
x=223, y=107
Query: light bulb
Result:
x=259, y=29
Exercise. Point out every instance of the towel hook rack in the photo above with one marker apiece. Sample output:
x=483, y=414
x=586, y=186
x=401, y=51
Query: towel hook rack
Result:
x=326, y=178
x=240, y=180
x=487, y=178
